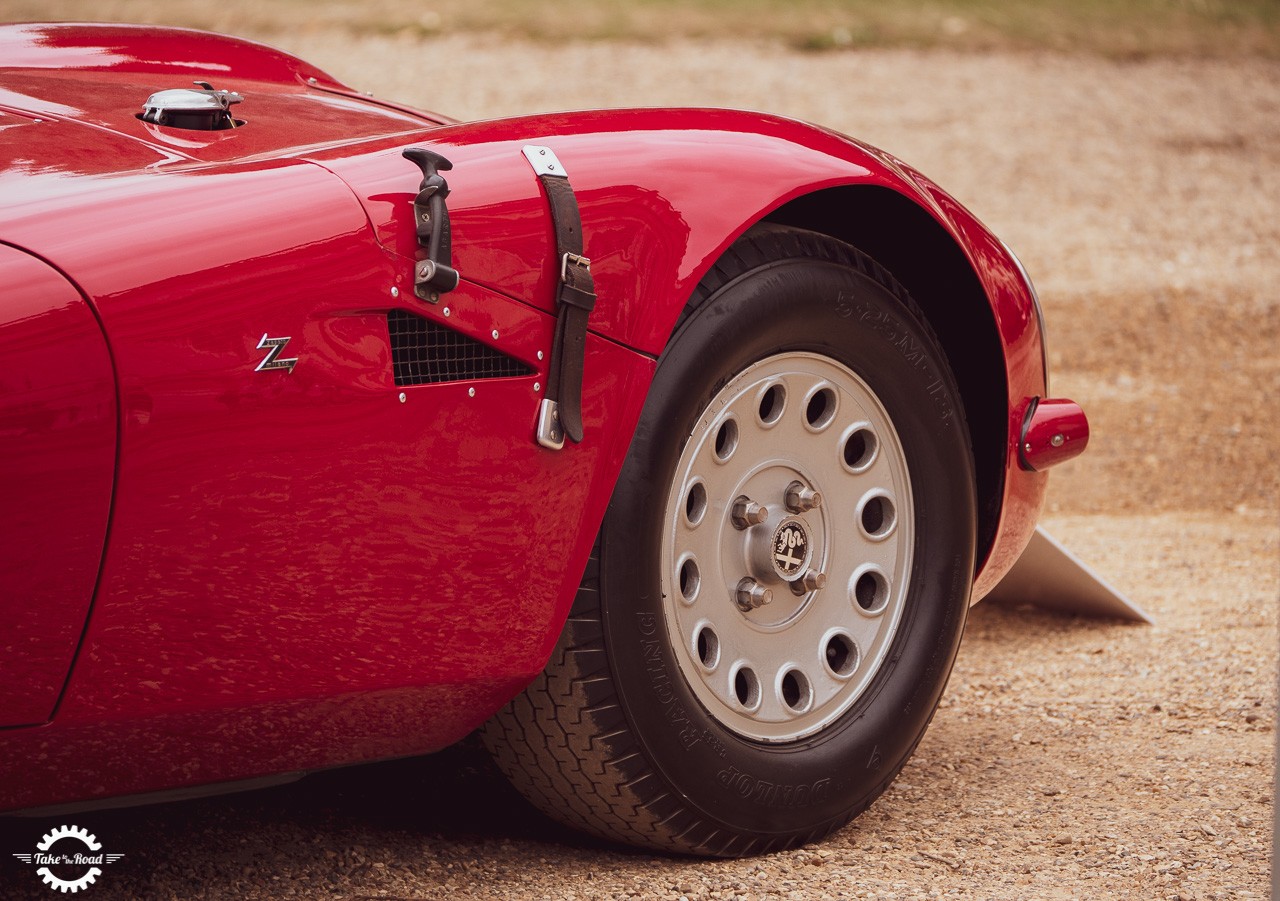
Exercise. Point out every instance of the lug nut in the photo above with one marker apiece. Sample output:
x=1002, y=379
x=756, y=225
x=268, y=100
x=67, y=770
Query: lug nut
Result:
x=800, y=498
x=747, y=513
x=814, y=580
x=751, y=594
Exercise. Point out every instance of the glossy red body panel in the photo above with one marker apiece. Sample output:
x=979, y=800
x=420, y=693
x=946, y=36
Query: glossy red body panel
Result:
x=57, y=460
x=304, y=570
x=662, y=193
x=1057, y=432
x=1023, y=500
x=315, y=118
x=659, y=207
x=381, y=561
x=133, y=49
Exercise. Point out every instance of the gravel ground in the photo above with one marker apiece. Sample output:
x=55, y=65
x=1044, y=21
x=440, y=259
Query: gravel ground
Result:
x=1071, y=758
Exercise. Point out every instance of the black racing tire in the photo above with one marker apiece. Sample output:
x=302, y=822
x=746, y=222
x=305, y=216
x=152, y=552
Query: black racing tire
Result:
x=681, y=713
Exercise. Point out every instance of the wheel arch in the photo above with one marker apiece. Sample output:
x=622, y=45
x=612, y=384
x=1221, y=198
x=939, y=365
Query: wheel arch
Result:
x=920, y=253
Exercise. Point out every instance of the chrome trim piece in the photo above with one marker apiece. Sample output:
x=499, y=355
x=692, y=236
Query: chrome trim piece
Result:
x=188, y=100
x=550, y=433
x=543, y=160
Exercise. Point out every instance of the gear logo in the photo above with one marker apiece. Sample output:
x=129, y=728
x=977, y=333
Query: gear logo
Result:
x=67, y=858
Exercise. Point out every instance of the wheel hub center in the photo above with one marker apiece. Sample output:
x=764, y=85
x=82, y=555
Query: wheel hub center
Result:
x=782, y=550
x=791, y=550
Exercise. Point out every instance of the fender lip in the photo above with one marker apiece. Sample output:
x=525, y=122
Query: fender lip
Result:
x=1037, y=308
x=1054, y=431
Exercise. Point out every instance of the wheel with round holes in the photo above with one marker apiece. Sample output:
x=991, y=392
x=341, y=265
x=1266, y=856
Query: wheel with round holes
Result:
x=779, y=587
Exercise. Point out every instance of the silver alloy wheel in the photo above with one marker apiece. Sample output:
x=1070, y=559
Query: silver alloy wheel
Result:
x=784, y=597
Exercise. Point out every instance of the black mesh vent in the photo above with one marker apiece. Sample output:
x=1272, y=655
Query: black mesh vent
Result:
x=423, y=352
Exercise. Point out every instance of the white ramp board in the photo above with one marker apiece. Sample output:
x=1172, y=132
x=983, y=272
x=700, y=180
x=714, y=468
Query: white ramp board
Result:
x=1050, y=576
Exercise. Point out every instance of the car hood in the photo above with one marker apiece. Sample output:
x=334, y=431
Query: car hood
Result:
x=71, y=97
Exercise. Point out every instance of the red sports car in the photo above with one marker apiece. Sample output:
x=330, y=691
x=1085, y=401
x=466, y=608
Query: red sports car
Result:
x=667, y=447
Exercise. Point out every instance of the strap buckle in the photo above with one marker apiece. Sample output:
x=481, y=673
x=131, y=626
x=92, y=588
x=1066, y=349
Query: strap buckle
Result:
x=577, y=260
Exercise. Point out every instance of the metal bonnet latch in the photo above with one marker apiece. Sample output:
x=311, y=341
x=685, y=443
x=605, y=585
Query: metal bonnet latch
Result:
x=435, y=275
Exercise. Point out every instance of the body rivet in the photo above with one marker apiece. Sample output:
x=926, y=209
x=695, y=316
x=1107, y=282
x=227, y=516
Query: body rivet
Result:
x=495, y=334
x=539, y=355
x=537, y=386
x=395, y=292
x=1057, y=441
x=471, y=392
x=403, y=397
x=446, y=311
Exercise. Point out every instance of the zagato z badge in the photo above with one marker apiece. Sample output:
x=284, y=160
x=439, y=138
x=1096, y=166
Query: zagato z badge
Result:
x=273, y=347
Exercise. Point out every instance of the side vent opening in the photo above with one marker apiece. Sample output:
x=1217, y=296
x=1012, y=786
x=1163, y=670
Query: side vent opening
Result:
x=424, y=352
